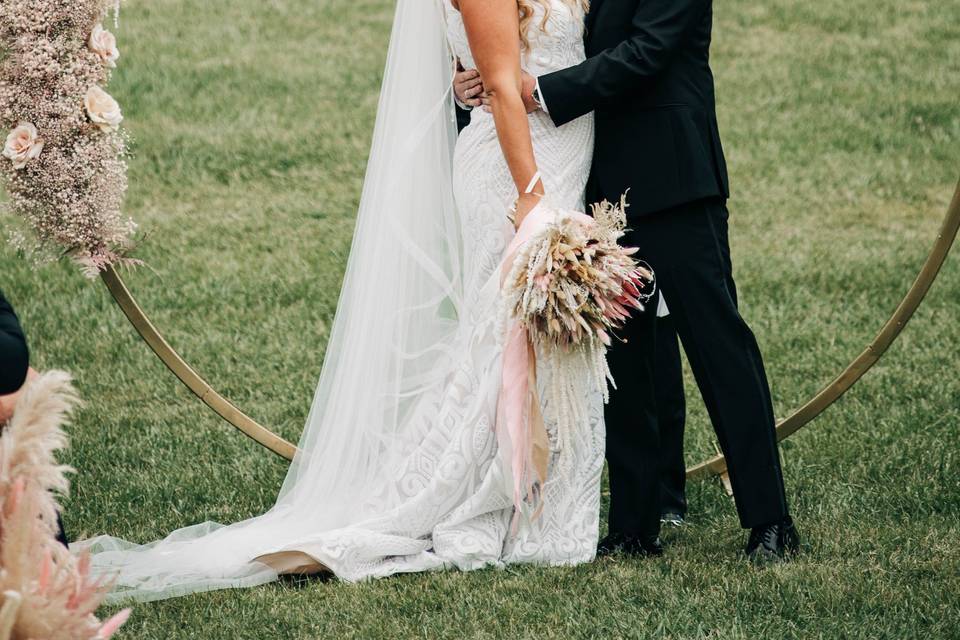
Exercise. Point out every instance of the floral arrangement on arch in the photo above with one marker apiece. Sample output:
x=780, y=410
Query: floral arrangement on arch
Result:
x=64, y=155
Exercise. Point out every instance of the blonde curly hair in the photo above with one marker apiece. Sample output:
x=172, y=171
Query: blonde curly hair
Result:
x=527, y=8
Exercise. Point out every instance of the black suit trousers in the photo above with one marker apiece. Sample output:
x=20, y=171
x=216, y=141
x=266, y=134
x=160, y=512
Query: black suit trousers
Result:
x=633, y=436
x=688, y=248
x=647, y=407
x=671, y=417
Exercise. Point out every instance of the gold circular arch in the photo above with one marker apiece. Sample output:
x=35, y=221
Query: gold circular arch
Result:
x=714, y=466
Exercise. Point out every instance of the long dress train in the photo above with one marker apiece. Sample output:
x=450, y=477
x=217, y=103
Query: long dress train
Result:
x=434, y=492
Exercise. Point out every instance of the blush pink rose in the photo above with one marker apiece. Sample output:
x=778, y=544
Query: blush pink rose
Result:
x=23, y=145
x=104, y=44
x=102, y=109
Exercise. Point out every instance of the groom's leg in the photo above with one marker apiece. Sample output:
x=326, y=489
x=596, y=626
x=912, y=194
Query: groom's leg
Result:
x=688, y=248
x=671, y=418
x=633, y=460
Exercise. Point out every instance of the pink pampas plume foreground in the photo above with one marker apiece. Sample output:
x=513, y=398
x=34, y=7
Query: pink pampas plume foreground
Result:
x=45, y=592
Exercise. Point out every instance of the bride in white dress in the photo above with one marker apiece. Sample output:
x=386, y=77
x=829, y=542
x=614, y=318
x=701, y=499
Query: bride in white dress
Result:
x=401, y=466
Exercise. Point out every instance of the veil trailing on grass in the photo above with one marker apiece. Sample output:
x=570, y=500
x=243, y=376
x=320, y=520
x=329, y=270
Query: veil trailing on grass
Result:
x=389, y=347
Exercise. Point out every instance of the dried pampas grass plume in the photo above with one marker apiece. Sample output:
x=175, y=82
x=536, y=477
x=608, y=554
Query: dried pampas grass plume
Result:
x=47, y=593
x=34, y=435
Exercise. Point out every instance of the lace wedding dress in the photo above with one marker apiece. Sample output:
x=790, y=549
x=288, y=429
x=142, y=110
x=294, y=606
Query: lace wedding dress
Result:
x=428, y=488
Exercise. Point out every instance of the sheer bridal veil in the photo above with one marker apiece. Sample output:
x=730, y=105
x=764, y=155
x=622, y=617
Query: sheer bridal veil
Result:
x=389, y=346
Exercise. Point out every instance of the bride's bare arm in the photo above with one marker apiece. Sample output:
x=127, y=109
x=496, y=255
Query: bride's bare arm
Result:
x=493, y=29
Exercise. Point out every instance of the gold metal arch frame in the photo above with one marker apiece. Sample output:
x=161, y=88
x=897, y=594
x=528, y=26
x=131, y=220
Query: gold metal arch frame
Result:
x=715, y=466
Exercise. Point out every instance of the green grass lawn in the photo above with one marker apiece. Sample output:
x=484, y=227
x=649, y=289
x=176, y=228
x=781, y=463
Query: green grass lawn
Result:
x=252, y=122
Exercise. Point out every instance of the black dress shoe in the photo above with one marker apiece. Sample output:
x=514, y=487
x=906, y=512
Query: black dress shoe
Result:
x=631, y=545
x=773, y=542
x=672, y=518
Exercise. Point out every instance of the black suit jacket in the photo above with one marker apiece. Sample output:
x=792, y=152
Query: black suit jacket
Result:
x=14, y=357
x=648, y=79
x=463, y=119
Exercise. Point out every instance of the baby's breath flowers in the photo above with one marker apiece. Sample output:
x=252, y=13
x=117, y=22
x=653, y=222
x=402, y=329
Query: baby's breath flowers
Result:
x=64, y=160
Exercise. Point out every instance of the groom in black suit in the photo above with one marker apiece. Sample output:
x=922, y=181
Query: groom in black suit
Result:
x=648, y=81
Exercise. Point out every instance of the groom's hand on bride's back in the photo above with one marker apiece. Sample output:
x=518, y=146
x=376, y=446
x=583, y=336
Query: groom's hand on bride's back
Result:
x=467, y=86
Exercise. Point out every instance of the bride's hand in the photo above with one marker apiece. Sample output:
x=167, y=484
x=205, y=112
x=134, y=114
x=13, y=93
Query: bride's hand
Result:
x=525, y=204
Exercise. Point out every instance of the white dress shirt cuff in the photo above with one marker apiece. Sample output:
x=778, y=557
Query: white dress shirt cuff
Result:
x=662, y=309
x=543, y=102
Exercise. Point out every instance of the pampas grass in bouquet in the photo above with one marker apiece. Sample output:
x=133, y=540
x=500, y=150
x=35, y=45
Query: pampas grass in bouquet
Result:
x=572, y=286
x=45, y=592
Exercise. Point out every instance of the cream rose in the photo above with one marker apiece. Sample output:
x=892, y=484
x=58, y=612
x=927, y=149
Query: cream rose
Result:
x=23, y=144
x=102, y=109
x=104, y=44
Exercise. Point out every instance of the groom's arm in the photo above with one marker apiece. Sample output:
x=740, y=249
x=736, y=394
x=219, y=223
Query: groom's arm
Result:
x=659, y=29
x=14, y=356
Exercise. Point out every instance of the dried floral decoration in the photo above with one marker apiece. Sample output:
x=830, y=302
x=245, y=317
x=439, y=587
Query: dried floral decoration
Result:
x=64, y=157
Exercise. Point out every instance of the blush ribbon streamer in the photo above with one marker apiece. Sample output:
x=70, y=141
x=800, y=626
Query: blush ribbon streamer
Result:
x=520, y=429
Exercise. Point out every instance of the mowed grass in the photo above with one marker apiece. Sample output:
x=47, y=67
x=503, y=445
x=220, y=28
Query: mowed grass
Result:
x=252, y=120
